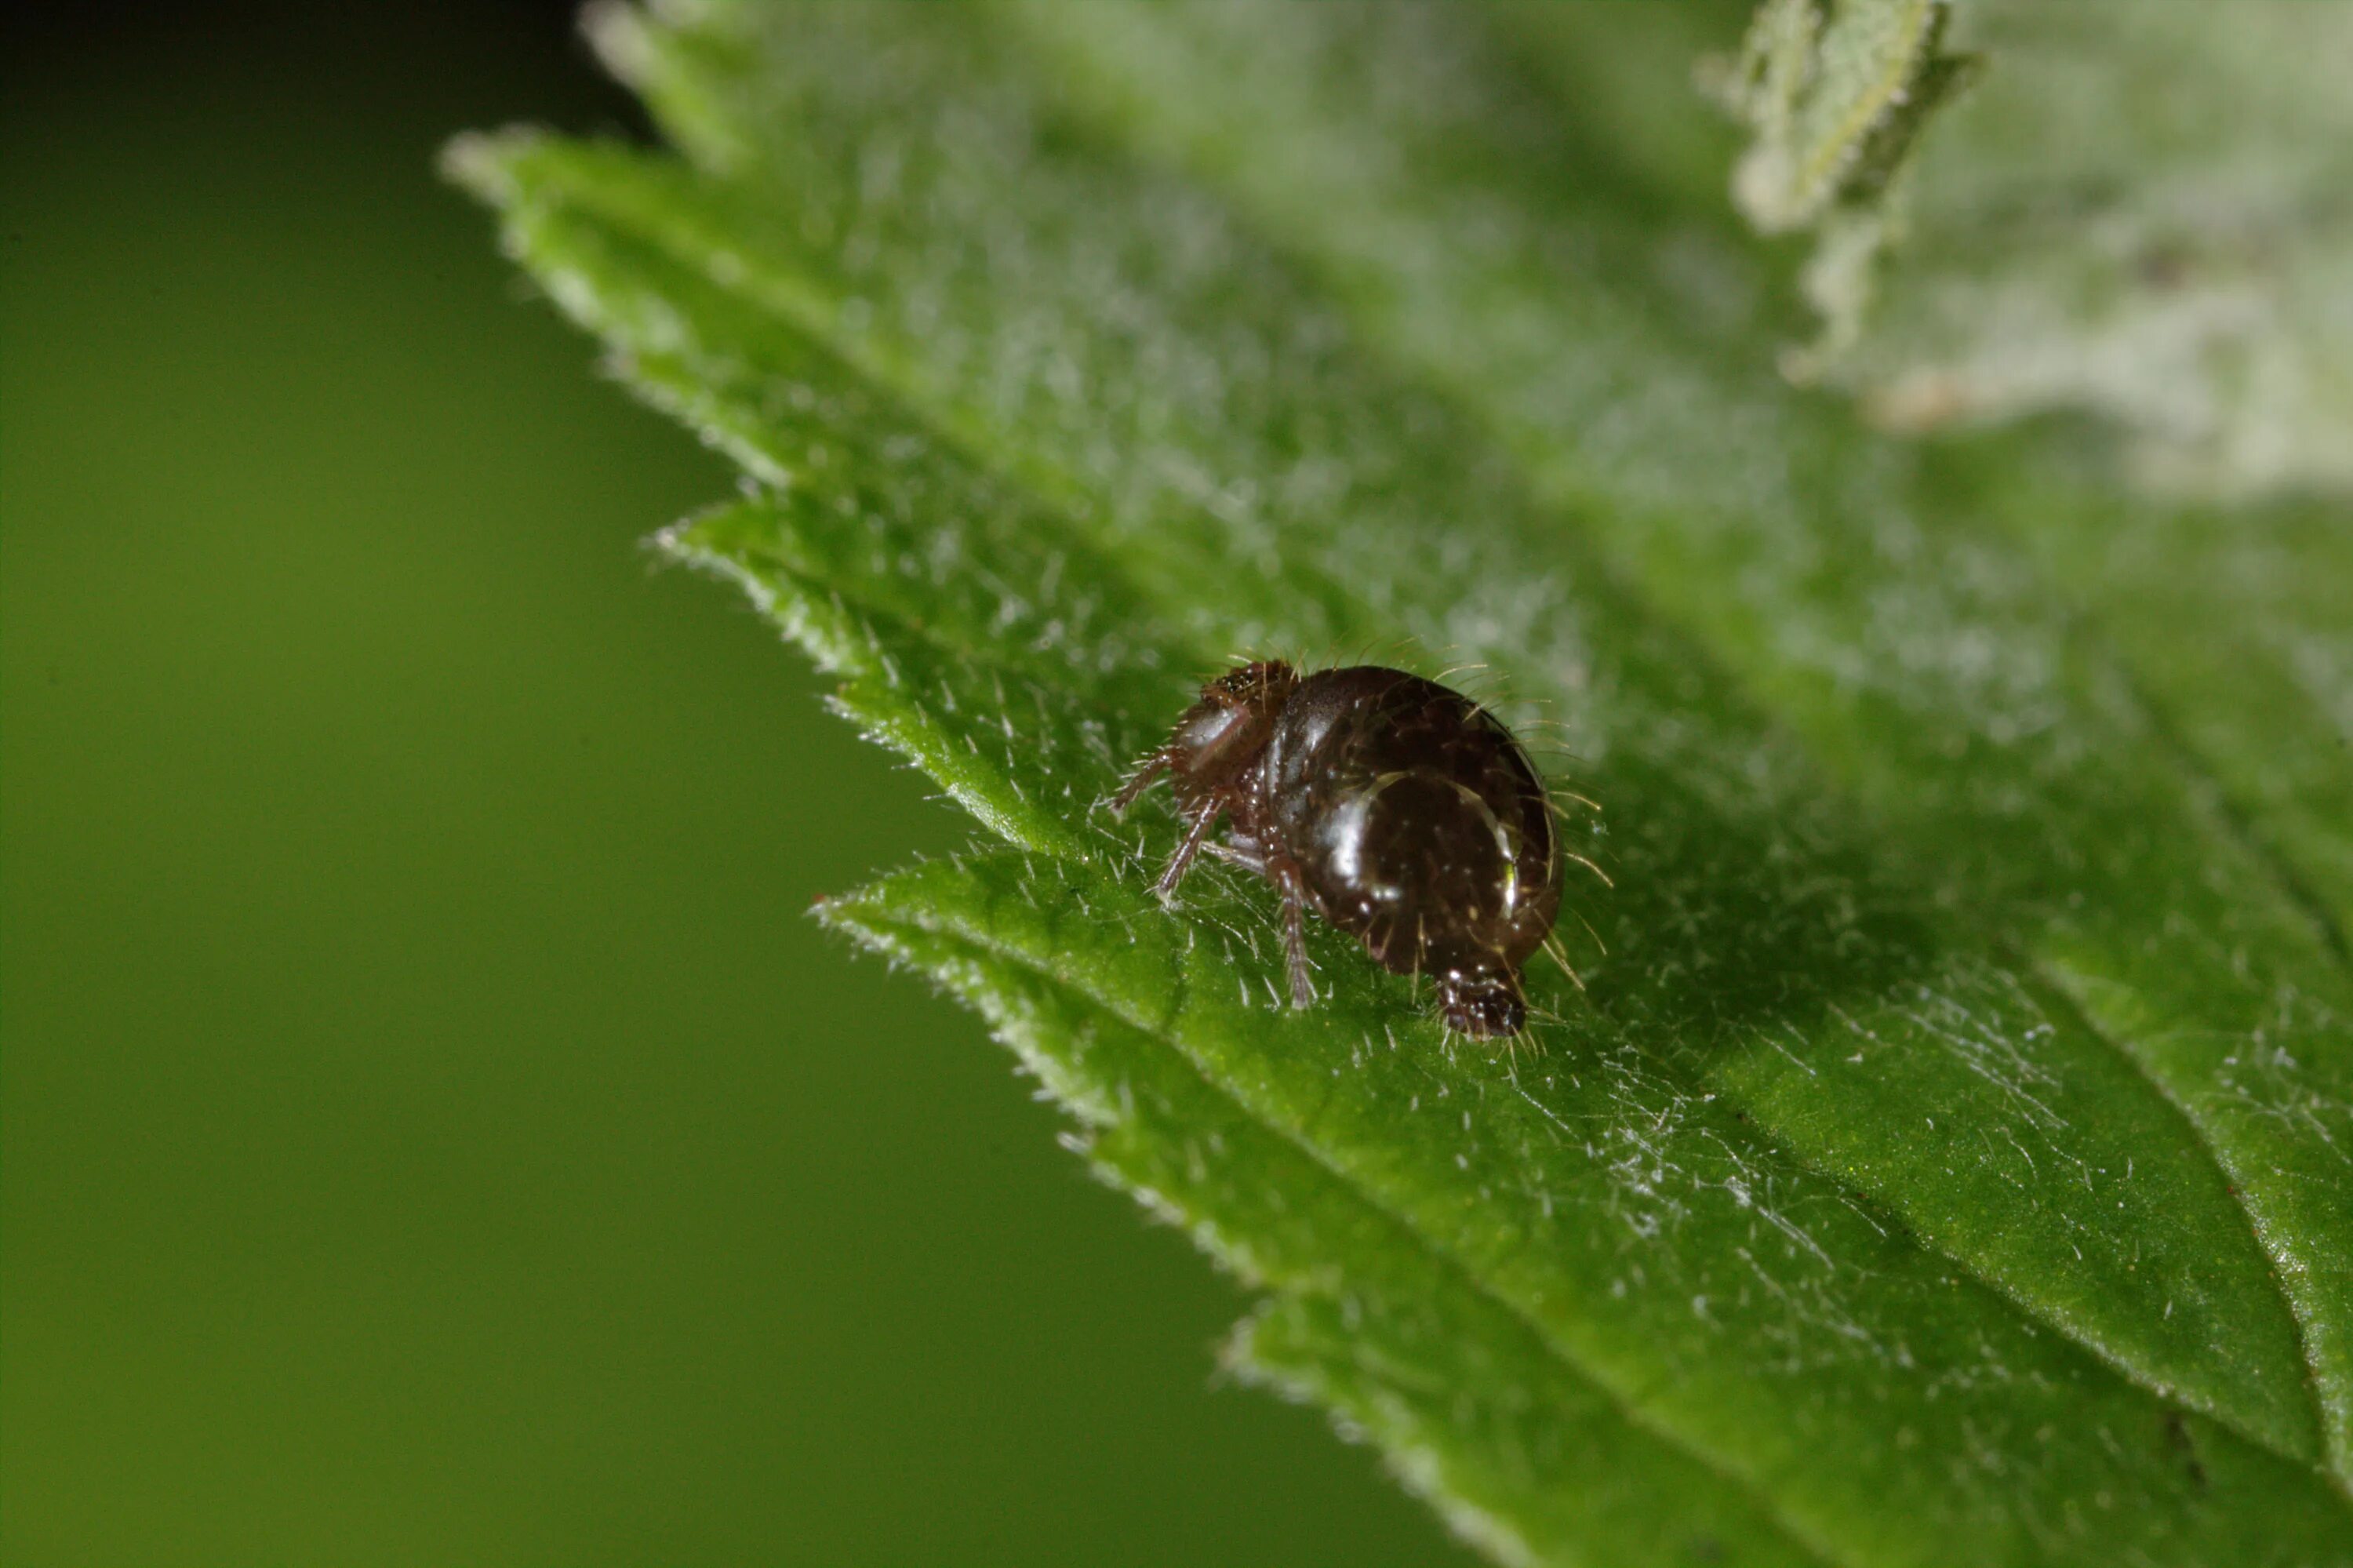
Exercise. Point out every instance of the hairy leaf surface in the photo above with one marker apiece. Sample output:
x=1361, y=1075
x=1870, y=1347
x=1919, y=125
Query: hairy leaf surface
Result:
x=1957, y=1140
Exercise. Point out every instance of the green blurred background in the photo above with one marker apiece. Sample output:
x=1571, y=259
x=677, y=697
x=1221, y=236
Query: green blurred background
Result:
x=429, y=1129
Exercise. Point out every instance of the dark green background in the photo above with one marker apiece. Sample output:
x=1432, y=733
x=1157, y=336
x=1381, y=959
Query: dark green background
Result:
x=432, y=1131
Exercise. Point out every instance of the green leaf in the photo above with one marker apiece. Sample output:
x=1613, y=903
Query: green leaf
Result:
x=1956, y=1142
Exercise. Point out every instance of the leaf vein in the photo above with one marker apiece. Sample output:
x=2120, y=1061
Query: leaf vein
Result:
x=1444, y=1257
x=2062, y=998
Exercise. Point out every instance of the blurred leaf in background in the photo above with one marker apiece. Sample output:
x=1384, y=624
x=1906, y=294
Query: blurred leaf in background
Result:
x=1954, y=1157
x=2141, y=214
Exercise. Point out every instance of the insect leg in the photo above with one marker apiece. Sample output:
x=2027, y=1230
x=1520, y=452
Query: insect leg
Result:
x=1294, y=939
x=1242, y=851
x=1182, y=861
x=1152, y=768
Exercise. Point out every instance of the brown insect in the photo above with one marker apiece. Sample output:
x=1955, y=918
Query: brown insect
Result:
x=1397, y=808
